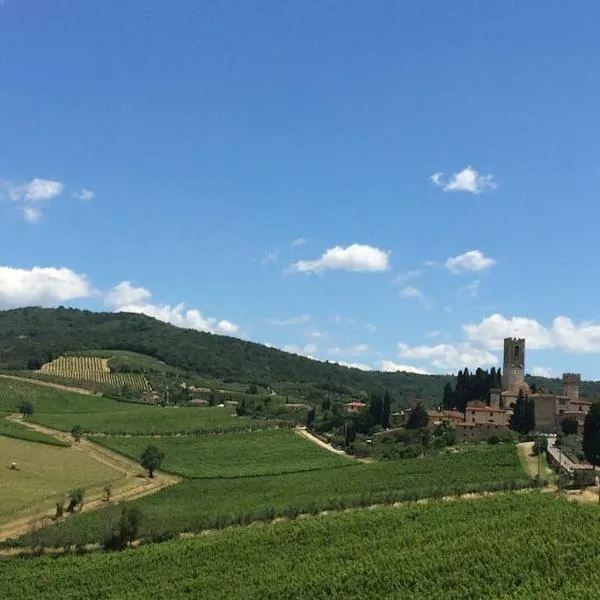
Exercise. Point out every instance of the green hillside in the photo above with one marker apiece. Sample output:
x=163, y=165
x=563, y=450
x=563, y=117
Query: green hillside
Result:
x=30, y=337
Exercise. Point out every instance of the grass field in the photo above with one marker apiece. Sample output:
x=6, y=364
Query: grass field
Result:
x=20, y=432
x=198, y=504
x=95, y=370
x=509, y=546
x=62, y=410
x=46, y=471
x=233, y=455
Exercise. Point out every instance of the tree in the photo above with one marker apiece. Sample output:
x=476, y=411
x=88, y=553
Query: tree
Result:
x=75, y=499
x=540, y=445
x=449, y=399
x=349, y=433
x=26, y=408
x=387, y=410
x=445, y=434
x=310, y=417
x=151, y=459
x=76, y=432
x=569, y=426
x=523, y=417
x=591, y=434
x=124, y=530
x=418, y=418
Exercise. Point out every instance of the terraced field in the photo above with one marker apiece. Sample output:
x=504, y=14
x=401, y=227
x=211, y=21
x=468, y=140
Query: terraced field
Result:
x=93, y=369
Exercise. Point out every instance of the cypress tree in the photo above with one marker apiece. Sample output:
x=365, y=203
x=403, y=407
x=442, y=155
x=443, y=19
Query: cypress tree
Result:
x=591, y=434
x=449, y=400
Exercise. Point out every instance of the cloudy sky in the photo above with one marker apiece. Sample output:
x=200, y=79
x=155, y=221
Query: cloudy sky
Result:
x=389, y=185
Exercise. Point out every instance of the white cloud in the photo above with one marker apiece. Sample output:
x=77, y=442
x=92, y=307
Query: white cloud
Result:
x=407, y=276
x=450, y=357
x=467, y=180
x=34, y=192
x=41, y=286
x=360, y=366
x=412, y=292
x=291, y=321
x=298, y=242
x=541, y=371
x=308, y=350
x=125, y=297
x=473, y=260
x=492, y=330
x=126, y=293
x=269, y=258
x=84, y=195
x=471, y=289
x=32, y=215
x=432, y=334
x=390, y=366
x=356, y=350
x=584, y=337
x=356, y=257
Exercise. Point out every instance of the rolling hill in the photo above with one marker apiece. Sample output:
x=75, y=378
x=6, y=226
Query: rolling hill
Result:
x=31, y=337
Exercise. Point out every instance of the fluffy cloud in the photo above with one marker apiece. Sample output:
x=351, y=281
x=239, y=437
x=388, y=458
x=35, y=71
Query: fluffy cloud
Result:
x=41, y=286
x=467, y=180
x=542, y=371
x=473, y=260
x=390, y=366
x=126, y=297
x=356, y=257
x=308, y=350
x=84, y=195
x=356, y=350
x=299, y=320
x=492, y=330
x=449, y=357
x=584, y=337
x=30, y=196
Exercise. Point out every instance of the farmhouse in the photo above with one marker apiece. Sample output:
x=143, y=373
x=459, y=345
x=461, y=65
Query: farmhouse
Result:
x=354, y=407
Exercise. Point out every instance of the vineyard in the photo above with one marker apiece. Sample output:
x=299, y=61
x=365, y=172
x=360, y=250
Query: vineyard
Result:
x=199, y=504
x=93, y=369
x=508, y=546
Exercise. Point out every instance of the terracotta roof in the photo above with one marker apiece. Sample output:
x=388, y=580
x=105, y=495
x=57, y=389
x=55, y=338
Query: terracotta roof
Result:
x=485, y=409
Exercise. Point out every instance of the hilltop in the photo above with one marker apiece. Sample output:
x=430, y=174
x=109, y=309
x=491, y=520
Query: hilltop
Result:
x=31, y=337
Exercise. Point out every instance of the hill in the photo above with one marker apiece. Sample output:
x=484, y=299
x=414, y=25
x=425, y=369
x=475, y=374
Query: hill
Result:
x=31, y=337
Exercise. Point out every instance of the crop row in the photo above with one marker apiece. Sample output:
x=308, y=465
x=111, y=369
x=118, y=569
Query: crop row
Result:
x=507, y=546
x=199, y=504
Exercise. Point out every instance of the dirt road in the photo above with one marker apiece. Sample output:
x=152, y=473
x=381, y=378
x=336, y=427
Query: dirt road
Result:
x=133, y=483
x=56, y=386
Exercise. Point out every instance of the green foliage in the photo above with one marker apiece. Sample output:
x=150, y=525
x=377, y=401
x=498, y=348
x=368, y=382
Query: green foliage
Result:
x=196, y=505
x=77, y=432
x=591, y=434
x=470, y=386
x=75, y=499
x=523, y=417
x=122, y=531
x=569, y=426
x=417, y=540
x=540, y=445
x=418, y=417
x=233, y=455
x=27, y=408
x=16, y=430
x=445, y=434
x=151, y=459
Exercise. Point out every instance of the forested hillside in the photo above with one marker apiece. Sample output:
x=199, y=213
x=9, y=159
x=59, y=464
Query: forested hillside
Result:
x=30, y=337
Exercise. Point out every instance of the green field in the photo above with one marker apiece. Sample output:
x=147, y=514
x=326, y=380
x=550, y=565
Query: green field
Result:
x=517, y=546
x=20, y=432
x=46, y=472
x=62, y=410
x=198, y=504
x=233, y=455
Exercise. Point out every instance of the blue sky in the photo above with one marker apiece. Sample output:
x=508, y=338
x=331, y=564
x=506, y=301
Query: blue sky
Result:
x=395, y=185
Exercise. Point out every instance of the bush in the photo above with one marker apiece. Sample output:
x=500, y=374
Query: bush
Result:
x=493, y=439
x=540, y=445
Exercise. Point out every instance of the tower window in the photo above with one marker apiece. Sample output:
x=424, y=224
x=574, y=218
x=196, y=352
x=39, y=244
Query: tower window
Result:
x=517, y=350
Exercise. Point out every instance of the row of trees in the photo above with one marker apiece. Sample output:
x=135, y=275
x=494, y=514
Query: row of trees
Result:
x=470, y=386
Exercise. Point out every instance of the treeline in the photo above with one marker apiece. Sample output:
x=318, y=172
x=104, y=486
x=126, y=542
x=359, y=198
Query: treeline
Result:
x=470, y=386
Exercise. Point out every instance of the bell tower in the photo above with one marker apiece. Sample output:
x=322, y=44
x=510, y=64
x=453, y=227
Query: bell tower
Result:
x=513, y=372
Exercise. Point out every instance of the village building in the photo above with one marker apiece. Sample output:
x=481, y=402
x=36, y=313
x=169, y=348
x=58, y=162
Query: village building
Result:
x=354, y=407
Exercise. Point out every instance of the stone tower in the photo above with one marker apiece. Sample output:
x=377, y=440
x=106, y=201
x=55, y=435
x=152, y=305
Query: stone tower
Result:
x=513, y=371
x=571, y=383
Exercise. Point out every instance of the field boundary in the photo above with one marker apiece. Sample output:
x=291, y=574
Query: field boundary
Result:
x=133, y=484
x=56, y=386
